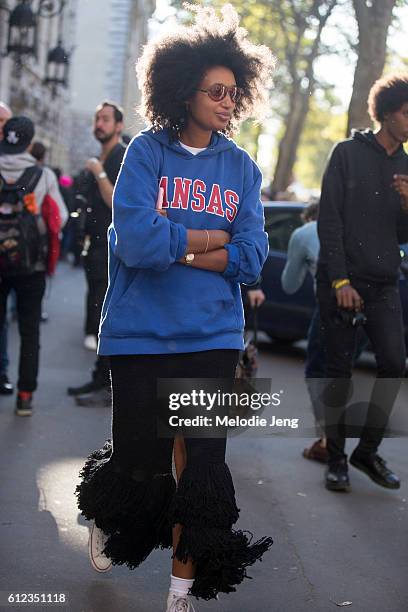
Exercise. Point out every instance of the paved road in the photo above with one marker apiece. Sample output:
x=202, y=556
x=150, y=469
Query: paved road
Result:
x=329, y=548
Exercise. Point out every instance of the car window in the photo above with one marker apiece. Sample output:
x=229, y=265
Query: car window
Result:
x=280, y=224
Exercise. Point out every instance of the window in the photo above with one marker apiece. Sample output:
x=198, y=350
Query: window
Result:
x=280, y=224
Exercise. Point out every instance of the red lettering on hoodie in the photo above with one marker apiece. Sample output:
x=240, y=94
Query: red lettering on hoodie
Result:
x=181, y=193
x=231, y=202
x=198, y=199
x=164, y=181
x=215, y=204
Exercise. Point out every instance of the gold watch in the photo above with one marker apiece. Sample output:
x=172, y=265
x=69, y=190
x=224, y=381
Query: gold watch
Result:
x=189, y=258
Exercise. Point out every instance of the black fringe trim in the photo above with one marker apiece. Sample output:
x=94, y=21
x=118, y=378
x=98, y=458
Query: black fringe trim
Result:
x=221, y=557
x=205, y=507
x=135, y=514
x=138, y=516
x=205, y=496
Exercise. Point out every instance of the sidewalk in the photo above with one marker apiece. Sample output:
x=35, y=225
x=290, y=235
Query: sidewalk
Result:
x=328, y=548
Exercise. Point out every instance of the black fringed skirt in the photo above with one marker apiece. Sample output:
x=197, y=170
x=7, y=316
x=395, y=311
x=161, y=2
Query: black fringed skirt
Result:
x=128, y=488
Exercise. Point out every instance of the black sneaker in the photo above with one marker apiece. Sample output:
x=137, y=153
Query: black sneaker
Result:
x=24, y=407
x=337, y=476
x=100, y=399
x=89, y=387
x=6, y=388
x=376, y=468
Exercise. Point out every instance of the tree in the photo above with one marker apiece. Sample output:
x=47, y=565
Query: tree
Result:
x=373, y=19
x=301, y=25
x=293, y=30
x=323, y=128
x=248, y=137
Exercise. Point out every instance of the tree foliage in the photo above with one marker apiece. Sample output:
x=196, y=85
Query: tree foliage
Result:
x=322, y=130
x=295, y=31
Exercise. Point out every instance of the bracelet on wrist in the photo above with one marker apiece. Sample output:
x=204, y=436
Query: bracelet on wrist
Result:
x=208, y=241
x=338, y=284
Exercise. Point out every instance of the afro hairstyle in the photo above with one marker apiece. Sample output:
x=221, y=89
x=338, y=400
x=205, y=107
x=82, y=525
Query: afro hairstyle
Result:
x=387, y=95
x=172, y=67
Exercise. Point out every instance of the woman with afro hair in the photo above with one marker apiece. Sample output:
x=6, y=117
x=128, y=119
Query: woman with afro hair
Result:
x=187, y=229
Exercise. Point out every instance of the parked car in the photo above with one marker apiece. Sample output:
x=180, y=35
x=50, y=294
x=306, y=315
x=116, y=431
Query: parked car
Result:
x=284, y=317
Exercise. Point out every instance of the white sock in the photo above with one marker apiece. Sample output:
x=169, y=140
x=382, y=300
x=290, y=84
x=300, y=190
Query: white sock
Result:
x=180, y=586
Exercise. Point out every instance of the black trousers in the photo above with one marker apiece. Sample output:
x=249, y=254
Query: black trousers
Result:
x=384, y=327
x=101, y=371
x=136, y=408
x=96, y=270
x=128, y=489
x=29, y=291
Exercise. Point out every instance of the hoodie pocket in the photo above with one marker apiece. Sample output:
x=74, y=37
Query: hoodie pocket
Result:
x=181, y=302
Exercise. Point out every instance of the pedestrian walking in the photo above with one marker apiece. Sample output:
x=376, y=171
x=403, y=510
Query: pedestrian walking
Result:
x=363, y=217
x=303, y=251
x=38, y=150
x=66, y=184
x=24, y=253
x=100, y=179
x=96, y=189
x=6, y=387
x=173, y=307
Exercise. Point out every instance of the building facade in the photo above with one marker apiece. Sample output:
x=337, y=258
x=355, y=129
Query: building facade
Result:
x=22, y=85
x=142, y=10
x=110, y=37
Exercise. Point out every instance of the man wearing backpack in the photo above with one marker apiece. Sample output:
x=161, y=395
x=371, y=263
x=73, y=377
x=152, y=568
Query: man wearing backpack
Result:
x=24, y=244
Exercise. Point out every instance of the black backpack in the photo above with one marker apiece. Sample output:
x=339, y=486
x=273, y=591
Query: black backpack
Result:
x=23, y=234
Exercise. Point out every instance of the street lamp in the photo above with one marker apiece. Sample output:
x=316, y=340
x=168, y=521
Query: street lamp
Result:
x=22, y=32
x=57, y=67
x=22, y=38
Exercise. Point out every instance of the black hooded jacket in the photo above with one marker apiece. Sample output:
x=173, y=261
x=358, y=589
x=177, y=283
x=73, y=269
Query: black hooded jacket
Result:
x=360, y=221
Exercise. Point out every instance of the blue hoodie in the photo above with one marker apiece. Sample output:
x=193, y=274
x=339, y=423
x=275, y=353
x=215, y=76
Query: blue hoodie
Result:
x=153, y=303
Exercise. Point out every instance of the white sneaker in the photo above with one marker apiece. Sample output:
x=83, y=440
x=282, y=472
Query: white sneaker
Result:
x=90, y=342
x=96, y=544
x=179, y=603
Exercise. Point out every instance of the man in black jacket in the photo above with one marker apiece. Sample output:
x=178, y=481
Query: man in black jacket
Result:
x=363, y=218
x=97, y=189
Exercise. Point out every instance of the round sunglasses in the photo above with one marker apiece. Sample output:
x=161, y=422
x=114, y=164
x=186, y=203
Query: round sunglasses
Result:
x=218, y=92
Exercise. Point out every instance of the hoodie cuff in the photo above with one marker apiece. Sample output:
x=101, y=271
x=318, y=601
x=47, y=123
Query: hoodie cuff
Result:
x=232, y=268
x=182, y=242
x=338, y=274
